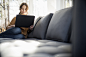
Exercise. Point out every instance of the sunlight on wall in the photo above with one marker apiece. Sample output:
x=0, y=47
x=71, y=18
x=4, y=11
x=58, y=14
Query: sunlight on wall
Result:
x=40, y=7
x=14, y=7
x=68, y=3
x=36, y=7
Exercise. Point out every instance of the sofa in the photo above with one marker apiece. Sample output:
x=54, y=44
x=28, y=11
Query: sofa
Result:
x=50, y=37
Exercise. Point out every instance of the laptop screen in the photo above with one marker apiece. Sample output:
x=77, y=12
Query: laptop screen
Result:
x=24, y=20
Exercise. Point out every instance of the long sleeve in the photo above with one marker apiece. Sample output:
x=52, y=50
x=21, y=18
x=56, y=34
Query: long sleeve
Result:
x=12, y=22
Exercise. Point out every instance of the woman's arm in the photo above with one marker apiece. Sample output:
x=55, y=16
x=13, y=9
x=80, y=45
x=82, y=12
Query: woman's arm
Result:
x=12, y=23
x=8, y=27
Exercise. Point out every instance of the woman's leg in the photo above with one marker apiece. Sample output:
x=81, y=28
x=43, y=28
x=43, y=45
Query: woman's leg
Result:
x=12, y=31
x=18, y=36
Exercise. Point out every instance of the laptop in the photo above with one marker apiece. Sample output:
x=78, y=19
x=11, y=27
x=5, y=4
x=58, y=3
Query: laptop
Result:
x=24, y=20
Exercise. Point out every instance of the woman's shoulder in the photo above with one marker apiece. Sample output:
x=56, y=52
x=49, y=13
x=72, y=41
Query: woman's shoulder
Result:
x=14, y=18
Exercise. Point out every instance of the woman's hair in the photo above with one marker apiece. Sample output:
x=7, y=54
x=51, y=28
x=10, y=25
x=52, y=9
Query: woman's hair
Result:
x=25, y=5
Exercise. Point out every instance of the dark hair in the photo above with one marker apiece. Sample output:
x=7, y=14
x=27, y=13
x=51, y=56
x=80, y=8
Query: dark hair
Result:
x=25, y=5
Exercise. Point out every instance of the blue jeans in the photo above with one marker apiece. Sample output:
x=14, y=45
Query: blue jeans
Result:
x=14, y=33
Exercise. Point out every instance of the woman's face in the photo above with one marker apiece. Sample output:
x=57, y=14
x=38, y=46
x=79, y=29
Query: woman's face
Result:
x=23, y=10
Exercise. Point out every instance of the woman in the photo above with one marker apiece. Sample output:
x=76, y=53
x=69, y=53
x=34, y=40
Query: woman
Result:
x=16, y=32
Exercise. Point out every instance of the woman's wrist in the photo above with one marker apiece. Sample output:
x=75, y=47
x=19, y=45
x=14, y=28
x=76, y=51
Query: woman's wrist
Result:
x=8, y=27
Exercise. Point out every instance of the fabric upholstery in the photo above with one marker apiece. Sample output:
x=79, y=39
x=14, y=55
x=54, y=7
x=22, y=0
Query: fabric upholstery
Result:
x=36, y=21
x=40, y=29
x=34, y=48
x=30, y=34
x=59, y=25
x=79, y=28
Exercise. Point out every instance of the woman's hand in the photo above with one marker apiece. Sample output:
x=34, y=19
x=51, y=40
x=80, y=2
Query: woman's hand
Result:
x=10, y=26
x=31, y=27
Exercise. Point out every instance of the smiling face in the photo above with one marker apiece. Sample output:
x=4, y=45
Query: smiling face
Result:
x=23, y=10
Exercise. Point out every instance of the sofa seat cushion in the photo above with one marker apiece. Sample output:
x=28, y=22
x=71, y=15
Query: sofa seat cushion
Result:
x=34, y=48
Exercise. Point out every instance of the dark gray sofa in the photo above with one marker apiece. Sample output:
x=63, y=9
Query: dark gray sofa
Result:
x=49, y=38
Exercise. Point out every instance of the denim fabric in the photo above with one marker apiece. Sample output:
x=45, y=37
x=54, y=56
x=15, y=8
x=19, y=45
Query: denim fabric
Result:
x=14, y=33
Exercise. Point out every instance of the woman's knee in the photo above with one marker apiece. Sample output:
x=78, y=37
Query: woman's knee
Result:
x=19, y=36
x=17, y=29
x=12, y=31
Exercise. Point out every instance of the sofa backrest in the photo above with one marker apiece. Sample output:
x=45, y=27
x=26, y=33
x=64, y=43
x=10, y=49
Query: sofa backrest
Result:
x=41, y=26
x=59, y=25
x=30, y=33
x=36, y=21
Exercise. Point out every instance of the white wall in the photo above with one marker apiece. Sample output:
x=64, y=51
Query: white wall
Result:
x=51, y=6
x=31, y=7
x=55, y=5
x=60, y=4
